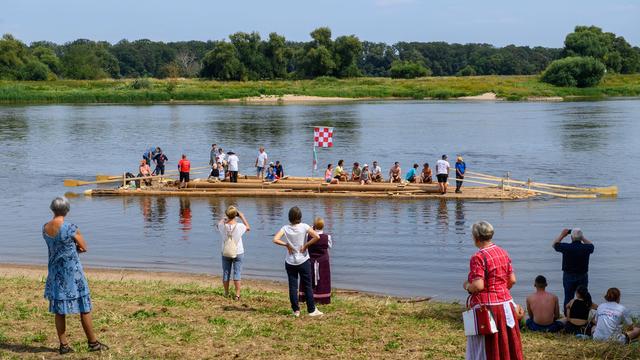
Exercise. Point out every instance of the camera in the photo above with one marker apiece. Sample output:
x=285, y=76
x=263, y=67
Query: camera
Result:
x=569, y=231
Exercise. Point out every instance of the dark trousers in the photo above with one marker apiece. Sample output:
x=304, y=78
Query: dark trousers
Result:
x=459, y=182
x=159, y=170
x=570, y=282
x=233, y=176
x=304, y=272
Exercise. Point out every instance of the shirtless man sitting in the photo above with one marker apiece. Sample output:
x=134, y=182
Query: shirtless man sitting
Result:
x=394, y=173
x=543, y=308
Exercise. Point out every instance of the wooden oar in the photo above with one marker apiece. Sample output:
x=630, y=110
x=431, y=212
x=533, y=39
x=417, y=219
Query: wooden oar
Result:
x=609, y=190
x=101, y=177
x=73, y=182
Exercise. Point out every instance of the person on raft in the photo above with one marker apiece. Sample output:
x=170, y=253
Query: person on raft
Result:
x=159, y=159
x=271, y=173
x=215, y=171
x=365, y=177
x=412, y=174
x=232, y=164
x=442, y=173
x=328, y=175
x=339, y=173
x=184, y=166
x=394, y=173
x=149, y=154
x=261, y=162
x=461, y=167
x=356, y=172
x=144, y=170
x=279, y=169
x=426, y=174
x=376, y=172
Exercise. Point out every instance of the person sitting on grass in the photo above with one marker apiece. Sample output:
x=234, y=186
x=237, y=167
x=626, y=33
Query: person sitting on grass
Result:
x=356, y=172
x=66, y=287
x=578, y=311
x=412, y=174
x=328, y=175
x=394, y=173
x=365, y=177
x=543, y=308
x=611, y=320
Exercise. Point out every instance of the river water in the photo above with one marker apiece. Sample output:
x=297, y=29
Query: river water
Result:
x=416, y=248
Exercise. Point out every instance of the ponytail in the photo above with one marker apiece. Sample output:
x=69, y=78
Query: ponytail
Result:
x=584, y=294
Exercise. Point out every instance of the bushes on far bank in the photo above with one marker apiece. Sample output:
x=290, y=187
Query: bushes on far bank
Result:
x=574, y=71
x=408, y=70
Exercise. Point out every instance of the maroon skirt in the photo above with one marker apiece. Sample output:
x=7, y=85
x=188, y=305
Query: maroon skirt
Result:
x=320, y=280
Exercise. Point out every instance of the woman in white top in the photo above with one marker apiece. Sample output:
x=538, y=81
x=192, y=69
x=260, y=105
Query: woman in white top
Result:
x=229, y=226
x=297, y=259
x=611, y=320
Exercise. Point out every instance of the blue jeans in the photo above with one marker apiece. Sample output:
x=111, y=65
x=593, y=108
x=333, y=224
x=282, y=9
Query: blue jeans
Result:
x=237, y=267
x=304, y=271
x=553, y=328
x=570, y=282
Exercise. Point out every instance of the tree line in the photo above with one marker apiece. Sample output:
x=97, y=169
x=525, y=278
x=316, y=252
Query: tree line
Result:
x=247, y=56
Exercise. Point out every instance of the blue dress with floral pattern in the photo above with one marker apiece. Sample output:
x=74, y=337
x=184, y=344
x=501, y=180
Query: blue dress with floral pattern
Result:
x=66, y=288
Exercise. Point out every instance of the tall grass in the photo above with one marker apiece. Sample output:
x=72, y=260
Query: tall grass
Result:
x=154, y=90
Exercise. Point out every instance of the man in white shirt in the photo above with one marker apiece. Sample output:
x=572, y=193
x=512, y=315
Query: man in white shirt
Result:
x=232, y=161
x=442, y=173
x=376, y=172
x=261, y=162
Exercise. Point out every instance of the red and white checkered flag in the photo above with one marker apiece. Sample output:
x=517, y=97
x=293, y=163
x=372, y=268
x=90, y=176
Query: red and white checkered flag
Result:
x=323, y=137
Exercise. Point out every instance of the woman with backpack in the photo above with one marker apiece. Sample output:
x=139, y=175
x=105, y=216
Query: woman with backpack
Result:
x=231, y=232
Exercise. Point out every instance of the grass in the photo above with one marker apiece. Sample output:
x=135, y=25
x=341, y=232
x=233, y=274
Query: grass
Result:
x=194, y=90
x=168, y=320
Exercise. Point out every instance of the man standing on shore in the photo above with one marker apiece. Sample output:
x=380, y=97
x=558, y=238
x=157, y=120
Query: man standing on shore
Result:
x=575, y=261
x=261, y=162
x=442, y=173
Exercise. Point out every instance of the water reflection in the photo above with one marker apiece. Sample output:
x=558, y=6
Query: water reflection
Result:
x=185, y=217
x=13, y=126
x=460, y=226
x=586, y=128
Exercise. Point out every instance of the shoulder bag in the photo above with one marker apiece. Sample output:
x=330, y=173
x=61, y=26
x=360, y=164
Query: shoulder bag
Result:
x=230, y=248
x=479, y=320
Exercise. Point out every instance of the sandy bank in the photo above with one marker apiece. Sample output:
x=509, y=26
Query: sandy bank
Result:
x=289, y=99
x=488, y=96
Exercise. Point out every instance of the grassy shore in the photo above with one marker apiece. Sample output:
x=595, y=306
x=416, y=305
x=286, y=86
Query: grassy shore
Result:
x=183, y=316
x=193, y=90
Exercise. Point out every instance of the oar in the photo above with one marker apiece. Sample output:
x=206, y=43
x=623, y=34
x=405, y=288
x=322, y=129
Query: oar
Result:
x=609, y=190
x=102, y=177
x=73, y=182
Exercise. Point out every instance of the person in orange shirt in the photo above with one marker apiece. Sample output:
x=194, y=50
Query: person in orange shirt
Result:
x=184, y=166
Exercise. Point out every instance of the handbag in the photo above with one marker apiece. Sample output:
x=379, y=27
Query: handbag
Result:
x=479, y=320
x=230, y=248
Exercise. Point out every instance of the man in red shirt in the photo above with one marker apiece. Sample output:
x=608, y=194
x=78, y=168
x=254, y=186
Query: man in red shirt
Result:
x=184, y=166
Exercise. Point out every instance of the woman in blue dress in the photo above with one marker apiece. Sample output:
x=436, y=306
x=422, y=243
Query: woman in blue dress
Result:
x=66, y=287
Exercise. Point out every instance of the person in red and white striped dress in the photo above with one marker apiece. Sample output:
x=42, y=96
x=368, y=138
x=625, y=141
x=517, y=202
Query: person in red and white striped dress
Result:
x=490, y=278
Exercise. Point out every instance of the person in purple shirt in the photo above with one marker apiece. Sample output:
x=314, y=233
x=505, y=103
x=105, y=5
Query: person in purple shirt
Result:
x=575, y=261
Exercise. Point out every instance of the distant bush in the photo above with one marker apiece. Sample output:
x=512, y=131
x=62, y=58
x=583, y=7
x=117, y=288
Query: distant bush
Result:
x=574, y=71
x=467, y=71
x=34, y=70
x=141, y=83
x=408, y=70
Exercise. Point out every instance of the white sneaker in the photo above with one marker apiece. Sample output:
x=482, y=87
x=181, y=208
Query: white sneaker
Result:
x=316, y=313
x=296, y=313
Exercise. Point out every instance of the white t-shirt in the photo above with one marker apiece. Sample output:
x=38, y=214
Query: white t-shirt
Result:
x=221, y=157
x=237, y=230
x=610, y=317
x=296, y=235
x=233, y=162
x=442, y=167
x=375, y=170
x=262, y=159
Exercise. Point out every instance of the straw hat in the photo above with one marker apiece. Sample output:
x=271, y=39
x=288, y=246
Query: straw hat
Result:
x=460, y=158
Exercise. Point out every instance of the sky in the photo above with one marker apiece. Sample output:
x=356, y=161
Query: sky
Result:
x=497, y=22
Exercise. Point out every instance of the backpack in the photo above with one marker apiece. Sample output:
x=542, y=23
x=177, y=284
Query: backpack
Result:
x=230, y=247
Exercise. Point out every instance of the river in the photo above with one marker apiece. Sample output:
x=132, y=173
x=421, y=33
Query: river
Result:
x=412, y=248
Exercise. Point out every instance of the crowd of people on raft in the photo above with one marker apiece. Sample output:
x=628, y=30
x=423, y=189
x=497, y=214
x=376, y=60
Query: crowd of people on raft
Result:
x=225, y=167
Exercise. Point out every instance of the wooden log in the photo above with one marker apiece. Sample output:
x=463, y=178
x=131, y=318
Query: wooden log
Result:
x=320, y=187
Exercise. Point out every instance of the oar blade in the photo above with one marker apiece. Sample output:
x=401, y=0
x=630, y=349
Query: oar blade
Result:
x=101, y=177
x=609, y=190
x=72, y=182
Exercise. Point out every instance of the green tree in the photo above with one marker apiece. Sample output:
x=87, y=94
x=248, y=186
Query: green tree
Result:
x=34, y=70
x=89, y=60
x=467, y=71
x=613, y=51
x=408, y=70
x=276, y=52
x=347, y=54
x=248, y=46
x=222, y=63
x=322, y=37
x=575, y=71
x=47, y=56
x=13, y=56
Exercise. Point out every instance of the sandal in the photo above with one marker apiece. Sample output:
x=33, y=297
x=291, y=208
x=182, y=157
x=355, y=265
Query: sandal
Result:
x=237, y=297
x=65, y=349
x=97, y=346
